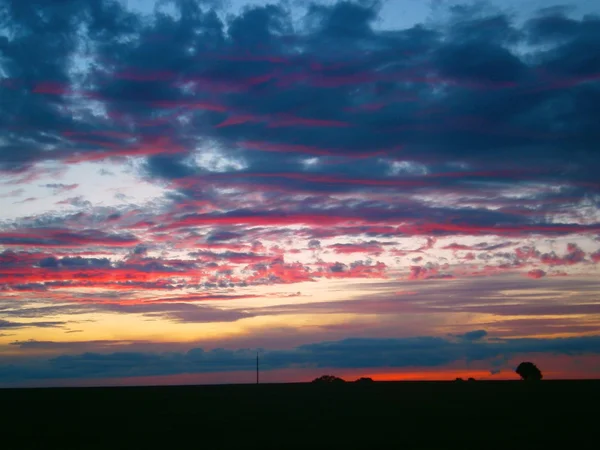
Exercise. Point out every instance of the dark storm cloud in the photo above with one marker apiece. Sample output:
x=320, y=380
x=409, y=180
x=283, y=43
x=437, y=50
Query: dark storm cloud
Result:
x=414, y=352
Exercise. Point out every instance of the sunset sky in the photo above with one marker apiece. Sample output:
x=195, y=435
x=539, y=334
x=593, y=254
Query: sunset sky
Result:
x=404, y=189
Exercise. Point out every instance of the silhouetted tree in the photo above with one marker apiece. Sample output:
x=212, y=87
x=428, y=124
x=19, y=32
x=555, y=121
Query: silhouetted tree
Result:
x=459, y=379
x=364, y=380
x=471, y=379
x=327, y=379
x=528, y=371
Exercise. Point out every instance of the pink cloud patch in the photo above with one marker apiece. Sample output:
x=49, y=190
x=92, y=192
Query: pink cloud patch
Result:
x=536, y=273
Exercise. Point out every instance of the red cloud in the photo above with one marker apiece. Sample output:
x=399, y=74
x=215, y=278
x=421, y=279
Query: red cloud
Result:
x=428, y=245
x=333, y=179
x=574, y=255
x=287, y=148
x=207, y=106
x=525, y=253
x=454, y=246
x=283, y=120
x=20, y=259
x=52, y=88
x=132, y=273
x=469, y=256
x=500, y=230
x=105, y=133
x=536, y=273
x=279, y=272
x=257, y=220
x=237, y=120
x=147, y=75
x=148, y=146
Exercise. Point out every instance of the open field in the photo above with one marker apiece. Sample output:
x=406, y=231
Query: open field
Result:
x=437, y=415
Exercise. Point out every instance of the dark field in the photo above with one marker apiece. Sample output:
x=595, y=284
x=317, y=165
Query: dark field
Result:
x=398, y=415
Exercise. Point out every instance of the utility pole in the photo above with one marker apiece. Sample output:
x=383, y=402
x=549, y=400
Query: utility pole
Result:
x=257, y=379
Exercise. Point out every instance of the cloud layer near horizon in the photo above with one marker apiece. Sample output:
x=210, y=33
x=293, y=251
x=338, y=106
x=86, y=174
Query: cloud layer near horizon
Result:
x=282, y=169
x=422, y=352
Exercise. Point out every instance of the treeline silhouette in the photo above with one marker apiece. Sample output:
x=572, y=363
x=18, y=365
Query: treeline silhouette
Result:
x=330, y=379
x=528, y=371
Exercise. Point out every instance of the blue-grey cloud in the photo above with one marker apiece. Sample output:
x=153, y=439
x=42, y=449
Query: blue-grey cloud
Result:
x=349, y=353
x=300, y=77
x=474, y=335
x=7, y=324
x=264, y=88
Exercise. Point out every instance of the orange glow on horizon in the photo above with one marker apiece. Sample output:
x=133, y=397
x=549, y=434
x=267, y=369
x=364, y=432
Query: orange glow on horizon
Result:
x=445, y=375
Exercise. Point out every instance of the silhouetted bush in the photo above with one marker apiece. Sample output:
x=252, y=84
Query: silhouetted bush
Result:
x=528, y=371
x=328, y=379
x=459, y=379
x=364, y=380
x=471, y=379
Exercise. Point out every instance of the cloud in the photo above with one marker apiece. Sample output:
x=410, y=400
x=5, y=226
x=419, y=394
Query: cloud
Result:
x=26, y=200
x=300, y=85
x=574, y=255
x=473, y=335
x=47, y=237
x=219, y=236
x=371, y=247
x=416, y=352
x=174, y=108
x=536, y=273
x=79, y=202
x=283, y=146
x=6, y=324
x=13, y=193
x=427, y=272
x=59, y=188
x=471, y=296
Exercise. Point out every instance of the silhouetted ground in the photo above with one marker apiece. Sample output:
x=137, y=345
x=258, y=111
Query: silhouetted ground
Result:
x=398, y=415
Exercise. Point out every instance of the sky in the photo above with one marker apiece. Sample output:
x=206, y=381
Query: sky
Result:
x=402, y=189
